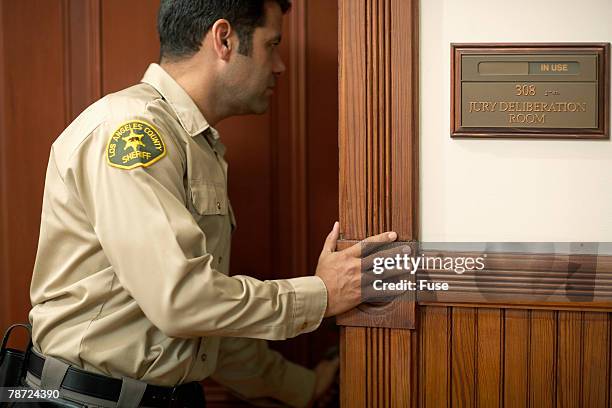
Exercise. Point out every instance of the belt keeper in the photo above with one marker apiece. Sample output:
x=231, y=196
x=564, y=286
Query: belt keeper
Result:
x=53, y=374
x=131, y=393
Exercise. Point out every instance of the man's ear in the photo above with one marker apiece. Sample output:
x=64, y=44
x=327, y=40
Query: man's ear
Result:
x=221, y=32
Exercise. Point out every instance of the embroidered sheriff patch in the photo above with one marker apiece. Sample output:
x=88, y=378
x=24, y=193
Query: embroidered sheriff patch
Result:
x=134, y=144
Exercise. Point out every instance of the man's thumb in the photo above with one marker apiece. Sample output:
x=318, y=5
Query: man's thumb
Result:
x=332, y=239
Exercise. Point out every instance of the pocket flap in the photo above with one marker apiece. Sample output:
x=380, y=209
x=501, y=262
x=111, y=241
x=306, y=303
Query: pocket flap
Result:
x=209, y=198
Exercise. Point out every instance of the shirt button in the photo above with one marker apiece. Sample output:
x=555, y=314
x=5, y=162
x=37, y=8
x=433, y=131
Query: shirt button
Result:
x=203, y=357
x=218, y=205
x=304, y=325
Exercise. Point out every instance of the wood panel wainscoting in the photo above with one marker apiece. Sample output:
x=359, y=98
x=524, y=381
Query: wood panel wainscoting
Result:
x=533, y=331
x=498, y=357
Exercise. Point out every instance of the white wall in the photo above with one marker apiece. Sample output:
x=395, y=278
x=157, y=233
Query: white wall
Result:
x=508, y=190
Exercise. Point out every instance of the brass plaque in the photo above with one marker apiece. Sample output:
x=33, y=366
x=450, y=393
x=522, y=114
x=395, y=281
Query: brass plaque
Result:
x=530, y=90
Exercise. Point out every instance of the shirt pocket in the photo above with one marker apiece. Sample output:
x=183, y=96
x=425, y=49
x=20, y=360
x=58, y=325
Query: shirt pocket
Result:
x=209, y=198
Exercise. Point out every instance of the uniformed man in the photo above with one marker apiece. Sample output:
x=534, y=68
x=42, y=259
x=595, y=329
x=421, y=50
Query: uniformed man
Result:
x=132, y=302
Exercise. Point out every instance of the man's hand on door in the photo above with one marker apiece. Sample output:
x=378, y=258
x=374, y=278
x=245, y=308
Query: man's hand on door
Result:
x=341, y=270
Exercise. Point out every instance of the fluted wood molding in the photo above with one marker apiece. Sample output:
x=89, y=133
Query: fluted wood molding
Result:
x=378, y=133
x=378, y=141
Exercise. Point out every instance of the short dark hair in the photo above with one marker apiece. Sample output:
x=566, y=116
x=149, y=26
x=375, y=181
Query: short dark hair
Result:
x=183, y=24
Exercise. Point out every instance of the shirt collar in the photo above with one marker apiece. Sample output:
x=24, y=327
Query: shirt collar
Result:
x=213, y=138
x=187, y=112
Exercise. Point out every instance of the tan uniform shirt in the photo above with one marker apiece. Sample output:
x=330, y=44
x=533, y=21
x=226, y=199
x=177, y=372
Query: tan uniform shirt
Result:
x=133, y=257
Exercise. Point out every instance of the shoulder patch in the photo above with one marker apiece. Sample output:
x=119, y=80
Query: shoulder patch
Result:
x=135, y=144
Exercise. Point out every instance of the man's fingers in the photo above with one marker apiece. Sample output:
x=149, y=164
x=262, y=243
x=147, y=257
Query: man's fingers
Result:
x=389, y=236
x=332, y=239
x=383, y=238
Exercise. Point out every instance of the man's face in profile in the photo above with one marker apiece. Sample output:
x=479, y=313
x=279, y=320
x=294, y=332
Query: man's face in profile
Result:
x=253, y=77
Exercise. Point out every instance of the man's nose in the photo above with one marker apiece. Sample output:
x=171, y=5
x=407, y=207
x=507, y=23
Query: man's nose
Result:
x=279, y=66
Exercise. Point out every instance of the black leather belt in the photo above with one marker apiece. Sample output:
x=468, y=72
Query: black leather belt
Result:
x=107, y=388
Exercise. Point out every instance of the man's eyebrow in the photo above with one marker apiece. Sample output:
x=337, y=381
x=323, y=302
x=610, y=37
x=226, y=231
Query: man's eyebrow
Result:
x=276, y=39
